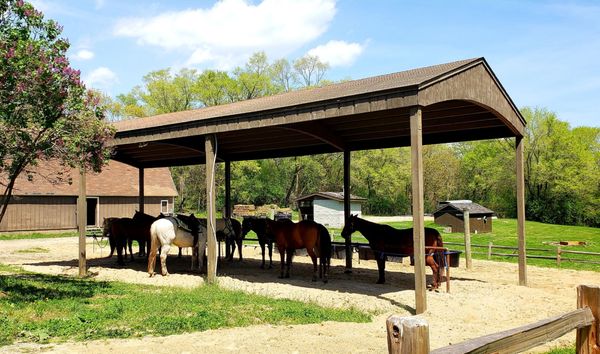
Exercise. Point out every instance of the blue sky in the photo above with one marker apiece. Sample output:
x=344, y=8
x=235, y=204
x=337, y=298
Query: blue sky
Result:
x=545, y=53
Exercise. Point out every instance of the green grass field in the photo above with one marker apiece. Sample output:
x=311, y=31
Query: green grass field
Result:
x=44, y=308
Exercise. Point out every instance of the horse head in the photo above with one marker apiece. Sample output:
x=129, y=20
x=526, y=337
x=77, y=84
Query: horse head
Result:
x=246, y=225
x=349, y=226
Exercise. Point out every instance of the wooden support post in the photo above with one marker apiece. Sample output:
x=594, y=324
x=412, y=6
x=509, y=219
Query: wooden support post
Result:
x=490, y=246
x=407, y=335
x=81, y=222
x=521, y=211
x=347, y=210
x=416, y=147
x=141, y=199
x=467, y=226
x=587, y=338
x=211, y=254
x=558, y=255
x=227, y=189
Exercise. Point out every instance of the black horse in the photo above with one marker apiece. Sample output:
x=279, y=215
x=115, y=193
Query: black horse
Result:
x=265, y=238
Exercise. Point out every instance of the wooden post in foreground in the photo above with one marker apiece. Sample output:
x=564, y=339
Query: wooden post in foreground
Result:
x=416, y=149
x=211, y=254
x=521, y=211
x=407, y=335
x=587, y=340
x=141, y=198
x=81, y=222
x=347, y=209
x=467, y=226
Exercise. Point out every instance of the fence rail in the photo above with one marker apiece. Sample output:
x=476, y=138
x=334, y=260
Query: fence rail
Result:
x=411, y=334
x=558, y=257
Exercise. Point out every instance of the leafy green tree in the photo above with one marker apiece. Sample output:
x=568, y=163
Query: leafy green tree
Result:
x=45, y=110
x=311, y=70
x=165, y=93
x=283, y=76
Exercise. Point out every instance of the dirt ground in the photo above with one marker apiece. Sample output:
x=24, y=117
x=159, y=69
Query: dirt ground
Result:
x=483, y=300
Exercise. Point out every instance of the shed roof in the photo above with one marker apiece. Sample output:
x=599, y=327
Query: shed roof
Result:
x=337, y=196
x=474, y=208
x=50, y=178
x=460, y=101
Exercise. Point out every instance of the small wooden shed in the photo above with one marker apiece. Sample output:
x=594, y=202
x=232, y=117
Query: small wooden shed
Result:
x=45, y=198
x=450, y=213
x=327, y=208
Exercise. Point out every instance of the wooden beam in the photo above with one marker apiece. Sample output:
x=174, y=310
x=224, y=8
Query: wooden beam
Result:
x=211, y=254
x=318, y=131
x=82, y=222
x=416, y=148
x=347, y=209
x=467, y=228
x=521, y=211
x=227, y=189
x=141, y=185
x=519, y=339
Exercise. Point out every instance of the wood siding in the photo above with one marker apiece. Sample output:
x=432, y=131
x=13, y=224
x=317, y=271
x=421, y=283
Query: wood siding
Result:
x=60, y=213
x=476, y=224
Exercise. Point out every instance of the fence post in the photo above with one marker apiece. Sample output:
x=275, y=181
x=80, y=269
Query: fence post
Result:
x=407, y=335
x=587, y=341
x=467, y=226
x=490, y=245
x=558, y=255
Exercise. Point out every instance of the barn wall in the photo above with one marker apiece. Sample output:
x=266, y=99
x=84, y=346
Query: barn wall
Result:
x=39, y=213
x=331, y=213
x=476, y=223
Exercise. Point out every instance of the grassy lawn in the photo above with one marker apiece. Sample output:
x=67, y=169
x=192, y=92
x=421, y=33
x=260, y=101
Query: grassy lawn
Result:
x=505, y=234
x=35, y=235
x=44, y=308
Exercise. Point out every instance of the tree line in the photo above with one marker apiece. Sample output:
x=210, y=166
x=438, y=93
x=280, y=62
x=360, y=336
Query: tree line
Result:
x=562, y=164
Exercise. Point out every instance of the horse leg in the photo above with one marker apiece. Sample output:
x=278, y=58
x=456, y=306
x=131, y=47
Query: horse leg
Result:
x=290, y=256
x=282, y=256
x=239, y=245
x=270, y=245
x=262, y=247
x=142, y=250
x=130, y=244
x=435, y=270
x=313, y=257
x=179, y=255
x=152, y=257
x=163, y=259
x=380, y=267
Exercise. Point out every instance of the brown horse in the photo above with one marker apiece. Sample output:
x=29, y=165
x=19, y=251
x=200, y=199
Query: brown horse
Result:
x=384, y=239
x=304, y=234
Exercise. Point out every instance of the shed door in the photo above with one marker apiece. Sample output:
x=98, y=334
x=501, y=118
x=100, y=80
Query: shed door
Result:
x=92, y=211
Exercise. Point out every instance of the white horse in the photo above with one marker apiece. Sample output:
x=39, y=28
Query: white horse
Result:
x=166, y=232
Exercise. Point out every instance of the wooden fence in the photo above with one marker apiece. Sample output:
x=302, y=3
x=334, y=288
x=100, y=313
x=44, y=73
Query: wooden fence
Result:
x=558, y=254
x=411, y=334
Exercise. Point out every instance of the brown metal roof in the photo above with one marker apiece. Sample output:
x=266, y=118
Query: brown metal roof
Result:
x=460, y=101
x=337, y=196
x=116, y=179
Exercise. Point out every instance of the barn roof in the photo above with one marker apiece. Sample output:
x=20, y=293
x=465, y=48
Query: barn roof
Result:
x=117, y=179
x=460, y=101
x=337, y=196
x=474, y=208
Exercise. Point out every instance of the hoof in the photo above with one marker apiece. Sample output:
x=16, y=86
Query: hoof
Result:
x=165, y=274
x=380, y=281
x=287, y=275
x=270, y=267
x=262, y=266
x=281, y=277
x=151, y=274
x=325, y=280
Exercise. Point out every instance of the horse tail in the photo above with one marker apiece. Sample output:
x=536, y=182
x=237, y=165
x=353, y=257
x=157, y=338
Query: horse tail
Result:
x=154, y=244
x=439, y=256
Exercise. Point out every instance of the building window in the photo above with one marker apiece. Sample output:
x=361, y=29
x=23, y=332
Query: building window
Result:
x=164, y=206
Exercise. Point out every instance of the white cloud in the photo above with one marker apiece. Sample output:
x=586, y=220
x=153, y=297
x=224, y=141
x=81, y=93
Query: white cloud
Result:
x=83, y=54
x=101, y=78
x=231, y=30
x=338, y=53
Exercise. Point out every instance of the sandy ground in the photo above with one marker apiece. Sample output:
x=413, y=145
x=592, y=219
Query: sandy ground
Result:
x=483, y=300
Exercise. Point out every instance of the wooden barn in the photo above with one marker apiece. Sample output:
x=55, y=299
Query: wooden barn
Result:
x=46, y=197
x=327, y=208
x=450, y=213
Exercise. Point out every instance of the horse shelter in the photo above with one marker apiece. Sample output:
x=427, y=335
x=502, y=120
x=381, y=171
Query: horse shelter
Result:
x=452, y=102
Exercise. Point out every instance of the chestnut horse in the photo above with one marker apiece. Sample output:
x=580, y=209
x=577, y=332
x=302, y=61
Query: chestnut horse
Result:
x=304, y=234
x=384, y=239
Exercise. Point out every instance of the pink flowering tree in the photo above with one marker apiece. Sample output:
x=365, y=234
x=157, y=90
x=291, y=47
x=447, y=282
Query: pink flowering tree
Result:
x=45, y=110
